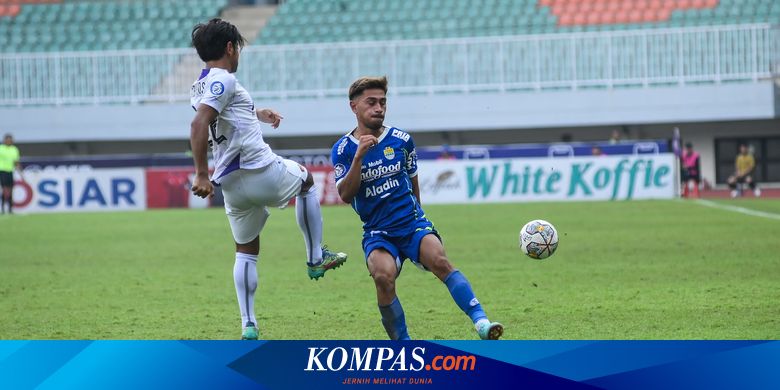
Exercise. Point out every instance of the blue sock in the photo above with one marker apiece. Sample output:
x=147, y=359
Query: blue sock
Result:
x=461, y=292
x=394, y=320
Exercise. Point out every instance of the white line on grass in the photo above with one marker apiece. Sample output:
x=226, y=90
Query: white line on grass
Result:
x=738, y=209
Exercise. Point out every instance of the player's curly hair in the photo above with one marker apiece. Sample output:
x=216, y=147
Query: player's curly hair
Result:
x=366, y=82
x=210, y=39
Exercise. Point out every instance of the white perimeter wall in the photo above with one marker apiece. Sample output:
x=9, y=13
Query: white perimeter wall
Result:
x=456, y=112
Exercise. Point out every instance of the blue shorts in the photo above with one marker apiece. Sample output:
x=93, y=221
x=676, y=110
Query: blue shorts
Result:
x=401, y=246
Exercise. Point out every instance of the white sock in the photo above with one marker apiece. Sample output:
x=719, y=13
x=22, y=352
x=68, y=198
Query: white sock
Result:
x=245, y=279
x=309, y=216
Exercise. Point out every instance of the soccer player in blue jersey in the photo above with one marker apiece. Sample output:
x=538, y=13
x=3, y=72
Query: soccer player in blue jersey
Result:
x=376, y=172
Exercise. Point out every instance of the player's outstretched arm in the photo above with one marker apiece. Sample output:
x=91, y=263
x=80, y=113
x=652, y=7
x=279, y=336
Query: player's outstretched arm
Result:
x=199, y=139
x=267, y=115
x=350, y=185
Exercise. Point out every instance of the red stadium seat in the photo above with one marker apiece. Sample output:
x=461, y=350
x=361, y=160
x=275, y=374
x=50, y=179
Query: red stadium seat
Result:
x=621, y=17
x=594, y=12
x=599, y=7
x=566, y=20
x=586, y=7
x=614, y=6
x=605, y=18
x=9, y=9
x=593, y=18
x=684, y=4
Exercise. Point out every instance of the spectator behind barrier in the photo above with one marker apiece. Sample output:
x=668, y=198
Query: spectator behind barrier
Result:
x=745, y=165
x=691, y=171
x=445, y=153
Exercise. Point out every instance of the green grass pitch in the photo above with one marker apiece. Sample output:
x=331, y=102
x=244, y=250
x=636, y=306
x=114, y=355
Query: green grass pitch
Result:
x=623, y=270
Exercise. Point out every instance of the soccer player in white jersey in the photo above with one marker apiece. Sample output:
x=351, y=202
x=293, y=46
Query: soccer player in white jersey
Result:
x=376, y=172
x=252, y=176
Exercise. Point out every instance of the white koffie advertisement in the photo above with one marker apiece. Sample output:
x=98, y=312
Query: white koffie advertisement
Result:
x=544, y=179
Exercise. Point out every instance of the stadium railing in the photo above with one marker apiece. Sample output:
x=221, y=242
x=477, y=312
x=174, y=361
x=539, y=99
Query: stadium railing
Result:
x=568, y=61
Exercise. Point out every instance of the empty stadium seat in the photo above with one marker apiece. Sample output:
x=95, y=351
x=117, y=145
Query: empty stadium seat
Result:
x=361, y=20
x=73, y=25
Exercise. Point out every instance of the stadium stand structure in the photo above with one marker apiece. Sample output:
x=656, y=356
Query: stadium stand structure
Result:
x=47, y=26
x=493, y=45
x=80, y=26
x=305, y=21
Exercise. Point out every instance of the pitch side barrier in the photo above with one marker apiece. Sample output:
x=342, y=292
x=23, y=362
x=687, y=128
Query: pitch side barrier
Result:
x=570, y=149
x=639, y=176
x=82, y=188
x=476, y=175
x=321, y=157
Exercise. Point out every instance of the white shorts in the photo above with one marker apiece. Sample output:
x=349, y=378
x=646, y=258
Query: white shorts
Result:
x=249, y=191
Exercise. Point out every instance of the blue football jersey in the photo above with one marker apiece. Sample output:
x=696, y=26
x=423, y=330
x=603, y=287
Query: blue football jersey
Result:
x=385, y=201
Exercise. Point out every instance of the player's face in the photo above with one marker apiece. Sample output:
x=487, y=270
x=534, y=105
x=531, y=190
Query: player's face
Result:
x=8, y=140
x=370, y=108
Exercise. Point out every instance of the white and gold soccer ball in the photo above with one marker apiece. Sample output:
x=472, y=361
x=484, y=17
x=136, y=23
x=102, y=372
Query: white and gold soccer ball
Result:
x=538, y=239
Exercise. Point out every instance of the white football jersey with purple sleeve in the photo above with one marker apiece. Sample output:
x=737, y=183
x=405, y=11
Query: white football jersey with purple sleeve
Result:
x=235, y=136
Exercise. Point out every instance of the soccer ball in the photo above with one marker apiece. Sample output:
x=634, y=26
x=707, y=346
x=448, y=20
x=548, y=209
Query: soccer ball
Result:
x=538, y=239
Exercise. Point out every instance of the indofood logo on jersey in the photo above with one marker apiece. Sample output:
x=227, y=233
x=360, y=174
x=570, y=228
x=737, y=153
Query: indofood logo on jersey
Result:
x=373, y=173
x=385, y=359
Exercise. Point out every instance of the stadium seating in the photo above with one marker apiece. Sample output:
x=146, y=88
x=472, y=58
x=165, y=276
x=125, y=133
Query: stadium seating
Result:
x=301, y=21
x=78, y=25
x=73, y=26
x=35, y=26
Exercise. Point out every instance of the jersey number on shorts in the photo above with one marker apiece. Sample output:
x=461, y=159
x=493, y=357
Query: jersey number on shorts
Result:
x=213, y=128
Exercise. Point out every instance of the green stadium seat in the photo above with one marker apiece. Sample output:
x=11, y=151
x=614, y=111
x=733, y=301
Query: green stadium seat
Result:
x=420, y=19
x=111, y=20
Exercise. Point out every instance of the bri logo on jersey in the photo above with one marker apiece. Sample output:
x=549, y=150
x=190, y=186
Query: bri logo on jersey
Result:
x=380, y=171
x=379, y=189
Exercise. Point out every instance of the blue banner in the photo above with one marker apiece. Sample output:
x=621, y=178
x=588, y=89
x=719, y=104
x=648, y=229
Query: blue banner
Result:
x=433, y=365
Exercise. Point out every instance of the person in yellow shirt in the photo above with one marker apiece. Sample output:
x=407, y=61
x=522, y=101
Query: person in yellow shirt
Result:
x=9, y=160
x=745, y=164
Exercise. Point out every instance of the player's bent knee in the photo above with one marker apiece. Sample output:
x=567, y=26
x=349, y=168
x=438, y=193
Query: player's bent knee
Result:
x=251, y=247
x=441, y=265
x=384, y=280
x=308, y=183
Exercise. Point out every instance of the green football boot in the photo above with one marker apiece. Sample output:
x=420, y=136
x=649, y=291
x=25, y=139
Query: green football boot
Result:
x=330, y=260
x=250, y=332
x=489, y=330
